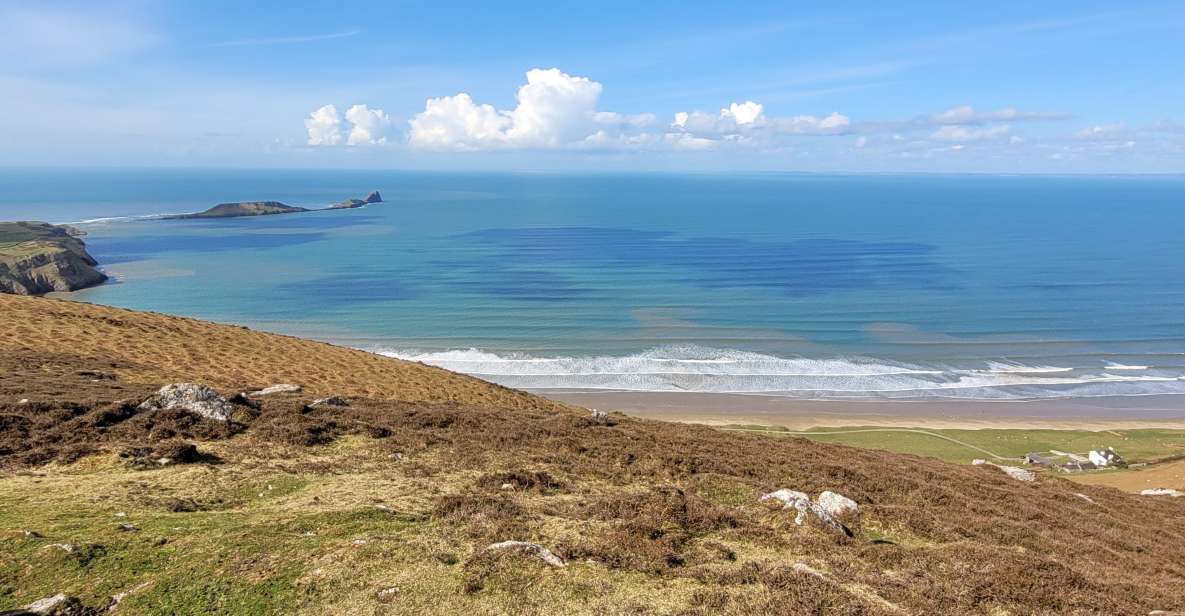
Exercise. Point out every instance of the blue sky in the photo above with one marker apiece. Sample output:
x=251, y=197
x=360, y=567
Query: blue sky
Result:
x=1051, y=87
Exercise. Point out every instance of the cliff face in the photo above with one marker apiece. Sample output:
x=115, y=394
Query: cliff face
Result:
x=37, y=258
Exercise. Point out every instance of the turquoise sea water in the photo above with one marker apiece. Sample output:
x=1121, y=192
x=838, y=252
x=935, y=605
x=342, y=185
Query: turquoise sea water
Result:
x=807, y=286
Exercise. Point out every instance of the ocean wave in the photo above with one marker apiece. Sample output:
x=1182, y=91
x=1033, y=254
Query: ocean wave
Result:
x=1119, y=366
x=709, y=370
x=111, y=219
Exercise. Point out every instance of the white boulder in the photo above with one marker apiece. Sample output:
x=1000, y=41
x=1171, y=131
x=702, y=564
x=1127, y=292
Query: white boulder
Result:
x=837, y=505
x=197, y=399
x=786, y=496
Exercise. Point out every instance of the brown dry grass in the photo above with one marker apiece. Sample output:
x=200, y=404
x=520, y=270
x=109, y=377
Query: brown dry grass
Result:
x=652, y=517
x=154, y=348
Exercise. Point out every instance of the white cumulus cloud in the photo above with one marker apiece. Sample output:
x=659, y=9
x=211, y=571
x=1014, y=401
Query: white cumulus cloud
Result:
x=368, y=126
x=324, y=126
x=554, y=110
x=747, y=112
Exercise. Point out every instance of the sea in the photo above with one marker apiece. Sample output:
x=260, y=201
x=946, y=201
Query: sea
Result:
x=832, y=287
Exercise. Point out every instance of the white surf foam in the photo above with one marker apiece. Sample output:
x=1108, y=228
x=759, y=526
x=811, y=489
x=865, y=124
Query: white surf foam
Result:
x=708, y=370
x=1119, y=366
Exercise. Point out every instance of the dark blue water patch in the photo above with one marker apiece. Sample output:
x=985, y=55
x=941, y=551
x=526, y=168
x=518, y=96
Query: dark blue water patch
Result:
x=523, y=284
x=111, y=250
x=797, y=267
x=349, y=288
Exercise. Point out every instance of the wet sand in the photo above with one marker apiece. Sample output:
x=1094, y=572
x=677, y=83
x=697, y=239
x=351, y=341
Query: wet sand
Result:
x=1129, y=412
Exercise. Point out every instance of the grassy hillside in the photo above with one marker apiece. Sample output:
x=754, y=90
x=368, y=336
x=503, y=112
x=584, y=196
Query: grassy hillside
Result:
x=384, y=506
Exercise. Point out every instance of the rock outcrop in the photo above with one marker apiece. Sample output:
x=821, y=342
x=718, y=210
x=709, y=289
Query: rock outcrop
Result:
x=349, y=204
x=837, y=505
x=242, y=208
x=197, y=399
x=38, y=258
x=57, y=605
x=793, y=499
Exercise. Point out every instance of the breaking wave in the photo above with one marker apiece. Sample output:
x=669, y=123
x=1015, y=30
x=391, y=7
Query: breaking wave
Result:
x=709, y=370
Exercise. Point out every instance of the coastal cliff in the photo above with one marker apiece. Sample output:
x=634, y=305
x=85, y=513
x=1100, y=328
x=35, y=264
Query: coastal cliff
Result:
x=38, y=258
x=242, y=208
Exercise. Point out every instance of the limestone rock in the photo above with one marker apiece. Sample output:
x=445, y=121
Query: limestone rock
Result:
x=57, y=605
x=837, y=504
x=1162, y=492
x=809, y=570
x=787, y=497
x=600, y=416
x=1018, y=474
x=387, y=595
x=282, y=388
x=530, y=549
x=197, y=399
x=330, y=401
x=805, y=506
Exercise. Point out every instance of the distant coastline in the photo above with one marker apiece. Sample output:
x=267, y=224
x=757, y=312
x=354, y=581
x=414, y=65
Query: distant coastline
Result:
x=38, y=257
x=269, y=208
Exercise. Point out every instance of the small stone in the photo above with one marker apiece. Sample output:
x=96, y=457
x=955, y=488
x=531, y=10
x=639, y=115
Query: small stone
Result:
x=330, y=401
x=68, y=548
x=530, y=549
x=23, y=401
x=282, y=388
x=600, y=416
x=164, y=461
x=32, y=534
x=129, y=528
x=809, y=570
x=1084, y=497
x=385, y=509
x=387, y=595
x=507, y=486
x=358, y=542
x=121, y=514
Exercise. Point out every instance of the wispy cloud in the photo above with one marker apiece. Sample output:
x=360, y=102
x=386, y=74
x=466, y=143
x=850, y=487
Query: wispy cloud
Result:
x=287, y=40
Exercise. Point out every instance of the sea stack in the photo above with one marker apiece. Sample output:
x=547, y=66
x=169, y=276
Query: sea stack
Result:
x=349, y=204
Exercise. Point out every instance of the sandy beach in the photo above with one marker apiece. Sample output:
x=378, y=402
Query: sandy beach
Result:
x=1103, y=413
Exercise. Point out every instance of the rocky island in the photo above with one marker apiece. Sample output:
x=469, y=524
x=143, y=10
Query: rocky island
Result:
x=349, y=204
x=37, y=258
x=242, y=208
x=268, y=208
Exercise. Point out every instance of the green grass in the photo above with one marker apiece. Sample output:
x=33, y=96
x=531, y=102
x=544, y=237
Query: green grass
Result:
x=1134, y=445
